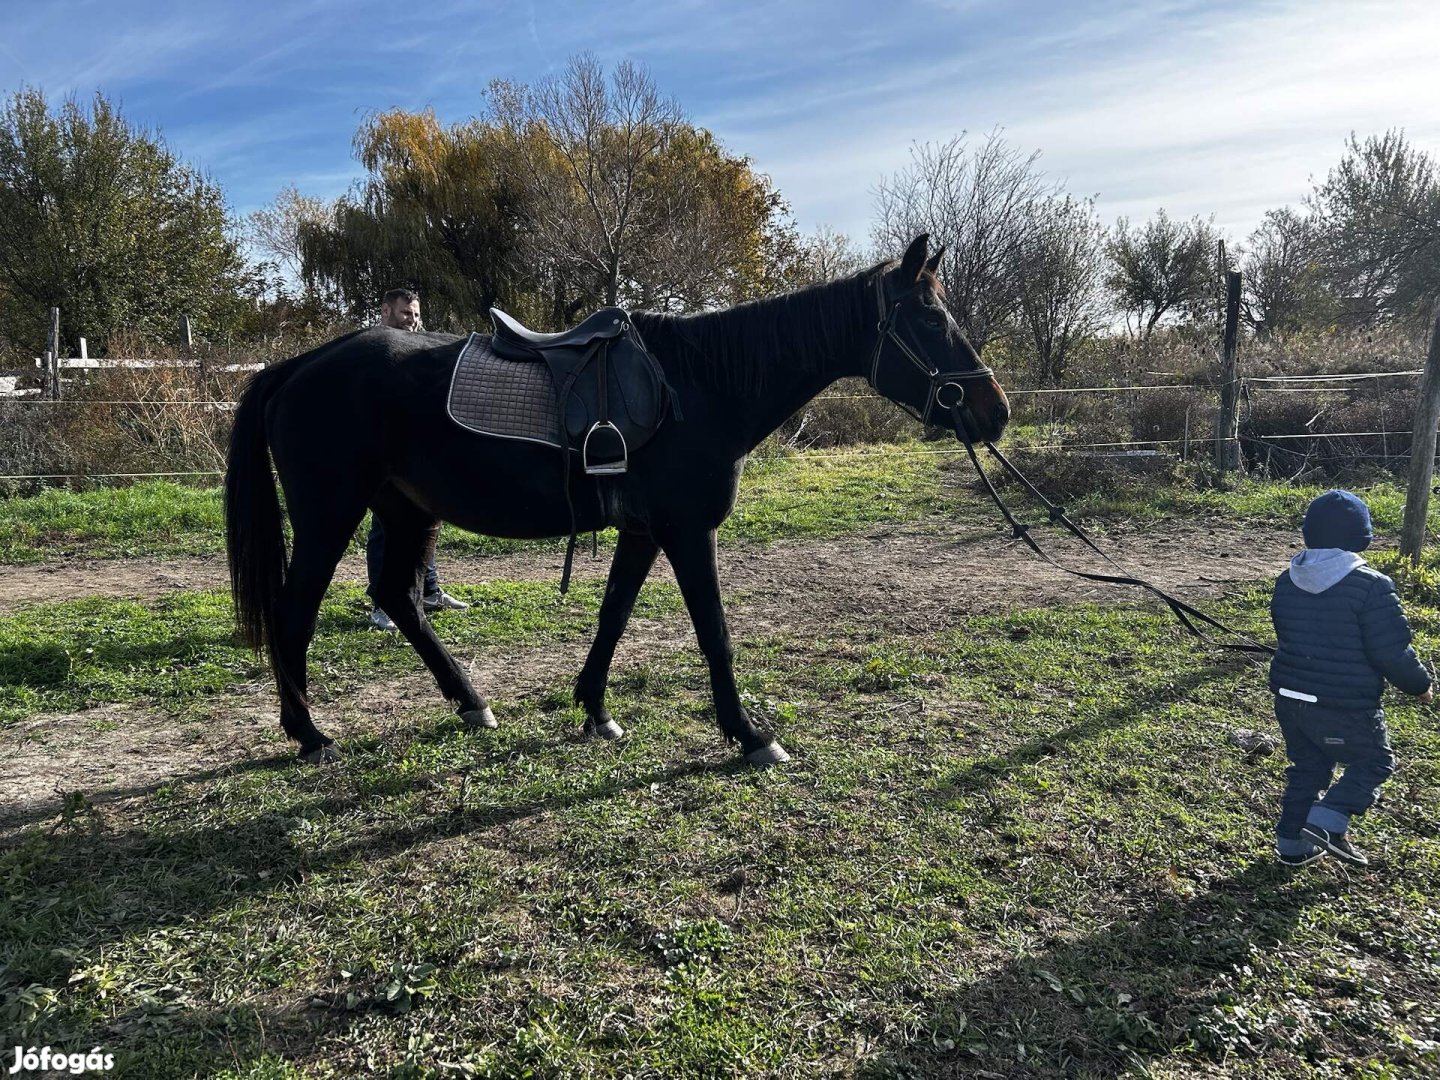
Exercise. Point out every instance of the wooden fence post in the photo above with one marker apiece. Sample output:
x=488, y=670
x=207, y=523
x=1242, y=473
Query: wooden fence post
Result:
x=1422, y=449
x=1227, y=427
x=52, y=366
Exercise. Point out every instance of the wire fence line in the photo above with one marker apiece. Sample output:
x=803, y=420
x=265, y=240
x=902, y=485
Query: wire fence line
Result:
x=105, y=401
x=1108, y=389
x=1266, y=384
x=1355, y=377
x=824, y=455
x=107, y=476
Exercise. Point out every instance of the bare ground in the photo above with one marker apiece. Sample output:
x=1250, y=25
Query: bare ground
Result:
x=919, y=577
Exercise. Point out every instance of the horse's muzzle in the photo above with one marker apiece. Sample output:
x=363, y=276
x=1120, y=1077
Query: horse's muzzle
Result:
x=987, y=412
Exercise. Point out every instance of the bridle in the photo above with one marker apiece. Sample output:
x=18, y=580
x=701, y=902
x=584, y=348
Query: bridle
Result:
x=943, y=384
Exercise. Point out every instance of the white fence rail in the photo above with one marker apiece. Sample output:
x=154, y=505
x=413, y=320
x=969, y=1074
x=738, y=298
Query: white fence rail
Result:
x=11, y=390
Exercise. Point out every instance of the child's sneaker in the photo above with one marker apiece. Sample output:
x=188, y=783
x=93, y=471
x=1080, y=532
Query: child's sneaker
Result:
x=1305, y=858
x=1336, y=844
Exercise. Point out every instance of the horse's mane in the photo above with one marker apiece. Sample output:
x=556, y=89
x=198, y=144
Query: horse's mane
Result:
x=733, y=349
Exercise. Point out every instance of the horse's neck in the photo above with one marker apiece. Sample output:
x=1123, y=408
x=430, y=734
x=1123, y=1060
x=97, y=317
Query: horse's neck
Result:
x=758, y=415
x=799, y=368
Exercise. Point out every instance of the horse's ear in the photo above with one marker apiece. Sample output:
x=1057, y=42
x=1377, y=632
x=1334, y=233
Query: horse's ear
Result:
x=933, y=263
x=914, y=260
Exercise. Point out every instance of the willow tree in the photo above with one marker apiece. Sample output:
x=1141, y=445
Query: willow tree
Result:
x=436, y=212
x=562, y=197
x=1378, y=216
x=1283, y=275
x=1164, y=267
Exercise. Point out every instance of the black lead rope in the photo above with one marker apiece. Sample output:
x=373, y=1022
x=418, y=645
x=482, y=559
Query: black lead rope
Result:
x=1185, y=613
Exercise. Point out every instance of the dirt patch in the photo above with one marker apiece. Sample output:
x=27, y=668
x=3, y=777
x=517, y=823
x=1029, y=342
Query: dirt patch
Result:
x=147, y=579
x=921, y=577
x=886, y=573
x=928, y=576
x=119, y=751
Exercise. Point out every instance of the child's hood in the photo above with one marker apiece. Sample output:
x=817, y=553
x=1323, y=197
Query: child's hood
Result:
x=1315, y=569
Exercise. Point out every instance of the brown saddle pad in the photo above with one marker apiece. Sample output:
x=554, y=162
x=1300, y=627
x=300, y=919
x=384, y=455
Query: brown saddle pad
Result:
x=509, y=399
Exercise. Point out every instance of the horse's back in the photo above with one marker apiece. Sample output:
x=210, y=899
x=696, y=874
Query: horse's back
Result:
x=376, y=370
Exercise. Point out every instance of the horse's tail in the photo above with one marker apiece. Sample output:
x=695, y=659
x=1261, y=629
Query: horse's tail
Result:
x=254, y=523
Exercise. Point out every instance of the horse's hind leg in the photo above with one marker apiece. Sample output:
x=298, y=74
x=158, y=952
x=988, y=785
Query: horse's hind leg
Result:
x=396, y=590
x=634, y=556
x=322, y=530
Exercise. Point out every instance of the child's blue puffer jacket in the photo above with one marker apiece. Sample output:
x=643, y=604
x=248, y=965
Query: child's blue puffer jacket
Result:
x=1342, y=643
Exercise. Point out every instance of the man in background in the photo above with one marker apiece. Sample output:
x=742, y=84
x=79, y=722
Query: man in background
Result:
x=400, y=310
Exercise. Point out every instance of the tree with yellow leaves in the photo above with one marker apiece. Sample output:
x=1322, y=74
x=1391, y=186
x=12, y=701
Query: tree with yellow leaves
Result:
x=566, y=196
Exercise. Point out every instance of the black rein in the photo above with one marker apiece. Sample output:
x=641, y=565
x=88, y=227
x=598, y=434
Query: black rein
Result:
x=1189, y=616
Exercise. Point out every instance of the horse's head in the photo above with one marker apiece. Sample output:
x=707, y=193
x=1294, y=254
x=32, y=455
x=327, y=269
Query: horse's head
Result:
x=921, y=360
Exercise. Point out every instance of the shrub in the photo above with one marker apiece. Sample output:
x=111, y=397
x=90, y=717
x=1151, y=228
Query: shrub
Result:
x=1369, y=407
x=33, y=443
x=847, y=413
x=159, y=419
x=1065, y=476
x=1168, y=416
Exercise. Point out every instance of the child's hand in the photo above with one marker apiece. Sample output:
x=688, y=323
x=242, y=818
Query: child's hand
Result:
x=1426, y=697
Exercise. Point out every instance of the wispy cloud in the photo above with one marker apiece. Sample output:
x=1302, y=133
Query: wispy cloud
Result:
x=1226, y=115
x=1203, y=107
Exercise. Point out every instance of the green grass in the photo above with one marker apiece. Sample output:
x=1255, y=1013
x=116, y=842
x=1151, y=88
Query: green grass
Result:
x=1024, y=846
x=151, y=518
x=781, y=496
x=835, y=492
x=179, y=649
x=1265, y=502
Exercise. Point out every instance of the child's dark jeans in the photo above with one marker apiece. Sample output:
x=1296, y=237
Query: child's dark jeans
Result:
x=1316, y=739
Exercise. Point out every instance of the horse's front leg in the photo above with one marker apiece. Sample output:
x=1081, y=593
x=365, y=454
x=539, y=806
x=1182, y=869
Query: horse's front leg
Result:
x=634, y=556
x=692, y=556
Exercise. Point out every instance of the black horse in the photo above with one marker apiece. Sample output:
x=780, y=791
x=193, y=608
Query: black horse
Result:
x=361, y=423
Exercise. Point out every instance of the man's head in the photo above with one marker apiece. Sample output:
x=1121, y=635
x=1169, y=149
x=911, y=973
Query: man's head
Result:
x=1338, y=519
x=400, y=308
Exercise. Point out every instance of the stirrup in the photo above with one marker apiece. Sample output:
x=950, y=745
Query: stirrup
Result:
x=604, y=468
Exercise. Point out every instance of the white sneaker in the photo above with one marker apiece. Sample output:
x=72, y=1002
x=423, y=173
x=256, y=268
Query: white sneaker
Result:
x=443, y=601
x=380, y=621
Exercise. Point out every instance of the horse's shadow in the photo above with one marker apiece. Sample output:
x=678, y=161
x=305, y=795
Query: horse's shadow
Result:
x=132, y=883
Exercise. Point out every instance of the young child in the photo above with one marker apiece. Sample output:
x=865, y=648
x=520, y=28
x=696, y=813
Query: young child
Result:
x=1340, y=635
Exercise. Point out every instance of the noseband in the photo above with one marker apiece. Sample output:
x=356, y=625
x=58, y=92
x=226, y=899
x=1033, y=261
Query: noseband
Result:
x=947, y=389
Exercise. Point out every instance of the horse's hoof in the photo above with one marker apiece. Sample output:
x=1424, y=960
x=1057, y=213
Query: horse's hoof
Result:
x=772, y=753
x=607, y=730
x=480, y=718
x=325, y=754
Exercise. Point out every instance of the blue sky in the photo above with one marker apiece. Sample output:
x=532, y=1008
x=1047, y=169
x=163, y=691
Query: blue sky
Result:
x=1224, y=108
